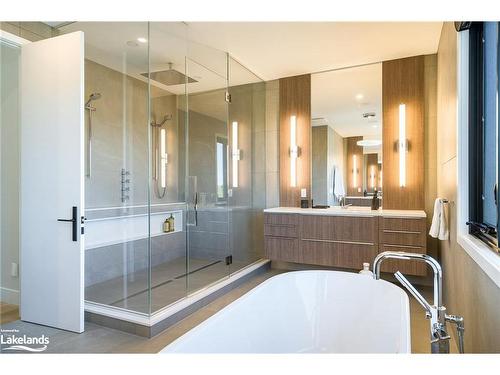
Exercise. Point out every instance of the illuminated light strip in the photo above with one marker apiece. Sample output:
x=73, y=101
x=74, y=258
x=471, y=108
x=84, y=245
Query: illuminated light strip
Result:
x=402, y=145
x=236, y=154
x=163, y=158
x=294, y=152
x=355, y=171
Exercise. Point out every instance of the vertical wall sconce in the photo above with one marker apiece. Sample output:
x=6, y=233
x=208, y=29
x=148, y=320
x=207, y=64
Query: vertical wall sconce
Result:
x=372, y=176
x=294, y=151
x=354, y=171
x=236, y=154
x=163, y=158
x=402, y=145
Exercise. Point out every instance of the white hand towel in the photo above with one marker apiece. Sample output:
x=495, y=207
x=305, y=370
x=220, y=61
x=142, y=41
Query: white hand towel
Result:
x=434, y=231
x=338, y=185
x=443, y=223
x=439, y=226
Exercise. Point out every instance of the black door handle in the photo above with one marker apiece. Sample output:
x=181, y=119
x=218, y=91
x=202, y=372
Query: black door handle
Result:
x=74, y=223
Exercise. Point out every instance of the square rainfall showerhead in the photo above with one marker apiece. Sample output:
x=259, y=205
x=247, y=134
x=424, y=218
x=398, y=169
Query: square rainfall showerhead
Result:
x=169, y=77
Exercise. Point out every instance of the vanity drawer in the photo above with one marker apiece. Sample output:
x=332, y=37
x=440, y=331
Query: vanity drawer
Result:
x=337, y=254
x=403, y=224
x=282, y=249
x=280, y=230
x=281, y=219
x=340, y=228
x=407, y=267
x=402, y=239
x=403, y=231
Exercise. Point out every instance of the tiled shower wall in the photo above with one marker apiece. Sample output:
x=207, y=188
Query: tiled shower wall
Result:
x=32, y=31
x=120, y=138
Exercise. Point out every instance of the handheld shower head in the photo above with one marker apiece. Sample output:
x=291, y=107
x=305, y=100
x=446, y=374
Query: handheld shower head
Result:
x=93, y=96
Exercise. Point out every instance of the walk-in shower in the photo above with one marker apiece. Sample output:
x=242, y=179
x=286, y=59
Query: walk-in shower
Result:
x=161, y=133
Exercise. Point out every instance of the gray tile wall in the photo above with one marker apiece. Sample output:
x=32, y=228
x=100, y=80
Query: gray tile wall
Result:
x=109, y=262
x=32, y=31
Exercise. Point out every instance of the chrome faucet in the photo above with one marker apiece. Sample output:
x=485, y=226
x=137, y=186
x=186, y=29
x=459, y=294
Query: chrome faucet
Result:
x=436, y=312
x=342, y=202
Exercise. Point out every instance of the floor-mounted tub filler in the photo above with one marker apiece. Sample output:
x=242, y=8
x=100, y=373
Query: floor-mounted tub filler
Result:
x=307, y=312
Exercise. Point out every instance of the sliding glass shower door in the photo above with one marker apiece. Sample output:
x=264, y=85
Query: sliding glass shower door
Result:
x=207, y=170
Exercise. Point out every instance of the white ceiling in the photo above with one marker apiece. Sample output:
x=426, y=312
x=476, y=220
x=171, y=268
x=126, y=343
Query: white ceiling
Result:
x=271, y=50
x=340, y=97
x=281, y=49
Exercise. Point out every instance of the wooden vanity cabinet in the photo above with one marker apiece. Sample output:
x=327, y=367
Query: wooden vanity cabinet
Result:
x=344, y=241
x=281, y=237
x=403, y=234
x=337, y=241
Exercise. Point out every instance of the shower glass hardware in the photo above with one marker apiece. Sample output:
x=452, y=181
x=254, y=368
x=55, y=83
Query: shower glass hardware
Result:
x=88, y=106
x=160, y=156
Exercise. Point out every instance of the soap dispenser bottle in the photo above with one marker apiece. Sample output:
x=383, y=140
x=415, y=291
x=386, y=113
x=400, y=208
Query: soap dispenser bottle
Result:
x=166, y=226
x=366, y=270
x=375, y=201
x=171, y=223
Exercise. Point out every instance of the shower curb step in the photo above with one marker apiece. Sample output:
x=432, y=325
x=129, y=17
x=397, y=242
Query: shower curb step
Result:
x=155, y=329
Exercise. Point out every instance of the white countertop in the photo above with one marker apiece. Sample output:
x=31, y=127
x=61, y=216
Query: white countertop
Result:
x=349, y=211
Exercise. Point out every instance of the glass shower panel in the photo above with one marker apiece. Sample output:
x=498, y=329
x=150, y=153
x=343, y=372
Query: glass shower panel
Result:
x=168, y=163
x=10, y=66
x=117, y=196
x=247, y=177
x=207, y=167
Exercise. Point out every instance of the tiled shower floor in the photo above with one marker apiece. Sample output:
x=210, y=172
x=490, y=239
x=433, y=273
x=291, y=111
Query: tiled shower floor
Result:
x=170, y=282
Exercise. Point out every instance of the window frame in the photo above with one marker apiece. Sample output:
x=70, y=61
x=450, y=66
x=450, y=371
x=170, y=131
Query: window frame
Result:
x=476, y=101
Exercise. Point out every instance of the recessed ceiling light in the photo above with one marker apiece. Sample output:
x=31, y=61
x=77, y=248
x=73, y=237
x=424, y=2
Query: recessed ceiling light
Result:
x=142, y=40
x=369, y=142
x=359, y=97
x=374, y=126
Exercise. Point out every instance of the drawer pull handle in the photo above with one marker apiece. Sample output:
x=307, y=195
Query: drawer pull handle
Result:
x=405, y=246
x=401, y=231
x=336, y=241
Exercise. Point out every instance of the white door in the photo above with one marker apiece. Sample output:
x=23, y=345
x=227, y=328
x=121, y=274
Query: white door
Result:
x=52, y=251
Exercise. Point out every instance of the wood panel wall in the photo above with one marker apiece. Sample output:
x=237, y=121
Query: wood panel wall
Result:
x=295, y=99
x=354, y=149
x=403, y=82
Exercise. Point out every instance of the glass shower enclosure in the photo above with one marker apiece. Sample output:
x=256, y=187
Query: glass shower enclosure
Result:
x=175, y=165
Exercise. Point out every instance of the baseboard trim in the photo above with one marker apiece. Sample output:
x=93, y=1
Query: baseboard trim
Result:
x=10, y=296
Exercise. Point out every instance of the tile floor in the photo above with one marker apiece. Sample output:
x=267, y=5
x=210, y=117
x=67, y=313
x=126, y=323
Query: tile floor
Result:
x=170, y=283
x=97, y=339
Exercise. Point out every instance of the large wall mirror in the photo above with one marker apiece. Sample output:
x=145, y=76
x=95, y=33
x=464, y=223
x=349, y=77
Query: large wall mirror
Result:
x=346, y=111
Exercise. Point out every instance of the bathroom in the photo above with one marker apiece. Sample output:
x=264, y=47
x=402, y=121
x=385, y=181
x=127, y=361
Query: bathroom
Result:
x=196, y=188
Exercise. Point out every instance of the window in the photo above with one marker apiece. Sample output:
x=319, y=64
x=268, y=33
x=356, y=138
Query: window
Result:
x=483, y=132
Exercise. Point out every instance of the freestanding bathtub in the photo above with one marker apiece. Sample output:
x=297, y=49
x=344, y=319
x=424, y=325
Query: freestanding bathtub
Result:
x=307, y=312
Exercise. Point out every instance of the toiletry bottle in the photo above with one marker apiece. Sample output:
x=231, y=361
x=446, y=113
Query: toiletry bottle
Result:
x=171, y=223
x=366, y=270
x=375, y=202
x=166, y=226
x=304, y=202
